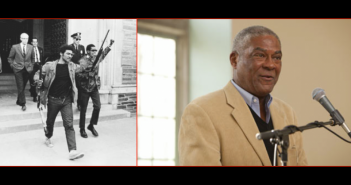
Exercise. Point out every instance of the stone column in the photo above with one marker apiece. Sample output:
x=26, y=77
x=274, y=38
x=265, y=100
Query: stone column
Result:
x=38, y=31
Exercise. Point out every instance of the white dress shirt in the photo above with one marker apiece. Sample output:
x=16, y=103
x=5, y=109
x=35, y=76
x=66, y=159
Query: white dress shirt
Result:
x=37, y=54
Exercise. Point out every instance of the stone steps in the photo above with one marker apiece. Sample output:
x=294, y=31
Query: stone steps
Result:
x=5, y=77
x=18, y=122
x=8, y=83
x=13, y=119
x=11, y=88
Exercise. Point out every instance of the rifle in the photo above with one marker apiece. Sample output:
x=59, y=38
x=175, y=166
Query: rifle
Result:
x=111, y=42
x=39, y=101
x=100, y=52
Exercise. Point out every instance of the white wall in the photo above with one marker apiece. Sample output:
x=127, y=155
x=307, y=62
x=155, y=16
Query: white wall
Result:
x=210, y=46
x=93, y=32
x=123, y=32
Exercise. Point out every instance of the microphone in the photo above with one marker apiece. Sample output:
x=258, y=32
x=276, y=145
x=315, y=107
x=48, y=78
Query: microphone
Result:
x=318, y=94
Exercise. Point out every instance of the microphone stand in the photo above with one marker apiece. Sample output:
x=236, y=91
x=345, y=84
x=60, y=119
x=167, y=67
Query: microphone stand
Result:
x=281, y=137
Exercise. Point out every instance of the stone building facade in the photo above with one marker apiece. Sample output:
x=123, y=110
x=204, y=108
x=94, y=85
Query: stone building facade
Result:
x=117, y=72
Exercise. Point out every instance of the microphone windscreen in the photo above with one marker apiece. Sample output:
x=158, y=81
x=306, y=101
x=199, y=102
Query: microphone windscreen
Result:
x=317, y=93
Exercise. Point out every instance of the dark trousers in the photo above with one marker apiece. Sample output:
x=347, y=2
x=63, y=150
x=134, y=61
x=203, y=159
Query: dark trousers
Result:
x=65, y=107
x=95, y=97
x=21, y=81
x=33, y=90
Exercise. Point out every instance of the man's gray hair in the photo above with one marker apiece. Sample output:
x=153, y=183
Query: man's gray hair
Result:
x=23, y=34
x=244, y=36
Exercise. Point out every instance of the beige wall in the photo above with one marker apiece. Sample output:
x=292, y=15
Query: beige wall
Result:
x=316, y=53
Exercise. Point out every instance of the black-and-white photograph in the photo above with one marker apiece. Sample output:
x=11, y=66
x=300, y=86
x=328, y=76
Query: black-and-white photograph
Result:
x=68, y=92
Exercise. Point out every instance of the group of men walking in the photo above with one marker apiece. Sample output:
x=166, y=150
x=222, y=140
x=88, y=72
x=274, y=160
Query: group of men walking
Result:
x=71, y=77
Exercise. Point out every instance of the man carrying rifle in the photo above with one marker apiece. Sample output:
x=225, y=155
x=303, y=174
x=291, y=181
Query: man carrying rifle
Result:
x=59, y=88
x=90, y=84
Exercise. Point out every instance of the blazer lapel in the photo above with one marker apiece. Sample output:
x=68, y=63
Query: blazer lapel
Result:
x=245, y=120
x=27, y=50
x=20, y=50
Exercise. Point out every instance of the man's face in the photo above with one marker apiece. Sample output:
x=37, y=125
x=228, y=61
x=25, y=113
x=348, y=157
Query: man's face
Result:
x=67, y=55
x=35, y=42
x=24, y=38
x=76, y=41
x=92, y=51
x=257, y=69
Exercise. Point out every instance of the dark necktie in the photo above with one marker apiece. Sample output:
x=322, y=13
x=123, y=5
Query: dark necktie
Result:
x=24, y=51
x=36, y=55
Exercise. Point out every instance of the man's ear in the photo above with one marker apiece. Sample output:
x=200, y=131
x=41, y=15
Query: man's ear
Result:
x=234, y=59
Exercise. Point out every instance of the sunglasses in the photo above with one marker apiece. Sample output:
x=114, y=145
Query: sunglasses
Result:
x=78, y=39
x=94, y=50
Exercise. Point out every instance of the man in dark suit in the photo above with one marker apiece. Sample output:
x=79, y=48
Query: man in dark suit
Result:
x=38, y=56
x=21, y=60
x=79, y=52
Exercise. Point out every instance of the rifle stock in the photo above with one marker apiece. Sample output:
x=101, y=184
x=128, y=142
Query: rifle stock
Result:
x=39, y=101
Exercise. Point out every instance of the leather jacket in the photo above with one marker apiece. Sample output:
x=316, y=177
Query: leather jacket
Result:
x=49, y=74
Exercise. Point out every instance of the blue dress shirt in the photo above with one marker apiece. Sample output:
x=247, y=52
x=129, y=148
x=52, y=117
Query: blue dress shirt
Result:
x=253, y=101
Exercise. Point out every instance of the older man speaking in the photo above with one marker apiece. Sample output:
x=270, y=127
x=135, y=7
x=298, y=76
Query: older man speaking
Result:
x=219, y=128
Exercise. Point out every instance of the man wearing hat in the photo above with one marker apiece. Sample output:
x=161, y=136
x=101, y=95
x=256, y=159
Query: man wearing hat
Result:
x=79, y=52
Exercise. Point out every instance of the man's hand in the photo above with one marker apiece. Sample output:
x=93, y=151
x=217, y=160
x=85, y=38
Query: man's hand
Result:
x=111, y=42
x=41, y=107
x=39, y=83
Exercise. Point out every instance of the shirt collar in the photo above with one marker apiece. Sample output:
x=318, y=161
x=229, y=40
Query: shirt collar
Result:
x=249, y=98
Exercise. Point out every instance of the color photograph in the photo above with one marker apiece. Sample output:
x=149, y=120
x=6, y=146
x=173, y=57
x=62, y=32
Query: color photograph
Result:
x=244, y=92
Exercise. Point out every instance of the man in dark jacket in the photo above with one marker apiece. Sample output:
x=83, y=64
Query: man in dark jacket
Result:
x=38, y=58
x=90, y=85
x=58, y=93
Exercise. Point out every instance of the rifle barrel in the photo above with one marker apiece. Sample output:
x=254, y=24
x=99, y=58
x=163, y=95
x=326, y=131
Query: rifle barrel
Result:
x=100, y=51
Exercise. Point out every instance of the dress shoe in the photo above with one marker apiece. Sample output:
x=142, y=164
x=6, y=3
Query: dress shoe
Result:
x=83, y=134
x=73, y=154
x=35, y=99
x=93, y=131
x=24, y=108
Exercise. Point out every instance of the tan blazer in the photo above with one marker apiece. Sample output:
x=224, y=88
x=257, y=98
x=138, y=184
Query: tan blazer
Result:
x=219, y=129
